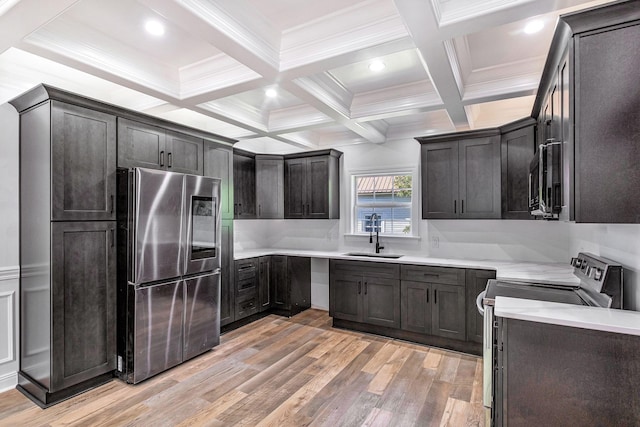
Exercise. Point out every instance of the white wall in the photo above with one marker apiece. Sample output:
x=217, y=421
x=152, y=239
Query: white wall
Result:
x=8, y=247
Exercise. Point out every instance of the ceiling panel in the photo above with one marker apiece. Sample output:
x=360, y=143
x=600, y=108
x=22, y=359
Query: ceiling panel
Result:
x=450, y=64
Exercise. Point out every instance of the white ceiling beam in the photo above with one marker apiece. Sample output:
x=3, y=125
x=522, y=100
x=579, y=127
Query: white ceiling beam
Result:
x=26, y=16
x=314, y=92
x=423, y=26
x=472, y=23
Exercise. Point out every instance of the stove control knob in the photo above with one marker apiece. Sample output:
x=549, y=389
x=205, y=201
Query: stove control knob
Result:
x=598, y=274
x=576, y=262
x=589, y=270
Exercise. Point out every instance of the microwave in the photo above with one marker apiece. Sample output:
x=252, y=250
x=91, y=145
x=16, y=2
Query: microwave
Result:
x=545, y=182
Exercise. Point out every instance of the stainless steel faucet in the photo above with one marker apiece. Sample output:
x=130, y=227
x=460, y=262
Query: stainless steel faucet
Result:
x=373, y=224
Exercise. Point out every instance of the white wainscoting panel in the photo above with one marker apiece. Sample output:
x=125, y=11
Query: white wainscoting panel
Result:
x=9, y=340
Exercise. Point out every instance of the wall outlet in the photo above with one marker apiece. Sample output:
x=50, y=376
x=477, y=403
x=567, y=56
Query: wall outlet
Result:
x=435, y=242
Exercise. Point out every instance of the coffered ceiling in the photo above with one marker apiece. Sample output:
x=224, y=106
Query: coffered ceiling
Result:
x=449, y=64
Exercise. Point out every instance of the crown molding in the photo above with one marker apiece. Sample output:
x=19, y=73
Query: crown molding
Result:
x=346, y=31
x=79, y=49
x=297, y=117
x=388, y=102
x=213, y=74
x=465, y=10
x=233, y=28
x=237, y=112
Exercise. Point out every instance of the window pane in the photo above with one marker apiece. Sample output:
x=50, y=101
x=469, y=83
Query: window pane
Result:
x=385, y=193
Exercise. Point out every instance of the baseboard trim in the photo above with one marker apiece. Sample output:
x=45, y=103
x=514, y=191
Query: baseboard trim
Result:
x=8, y=381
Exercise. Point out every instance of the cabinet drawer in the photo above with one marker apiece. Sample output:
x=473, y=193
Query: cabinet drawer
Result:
x=246, y=270
x=367, y=268
x=246, y=305
x=423, y=273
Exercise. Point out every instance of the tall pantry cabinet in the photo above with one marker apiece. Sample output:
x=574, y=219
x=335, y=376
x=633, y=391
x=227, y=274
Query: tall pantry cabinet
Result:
x=67, y=247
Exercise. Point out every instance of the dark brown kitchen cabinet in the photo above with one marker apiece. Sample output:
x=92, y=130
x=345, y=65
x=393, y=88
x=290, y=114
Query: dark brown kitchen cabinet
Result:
x=365, y=292
x=476, y=282
x=244, y=185
x=517, y=147
x=593, y=65
x=246, y=290
x=290, y=283
x=433, y=301
x=144, y=145
x=461, y=175
x=312, y=185
x=83, y=302
x=218, y=163
x=269, y=186
x=83, y=162
x=227, y=267
x=264, y=283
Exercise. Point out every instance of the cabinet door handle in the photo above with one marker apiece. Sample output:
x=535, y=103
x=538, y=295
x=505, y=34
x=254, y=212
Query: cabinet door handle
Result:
x=239, y=208
x=359, y=287
x=302, y=208
x=435, y=296
x=365, y=288
x=455, y=206
x=462, y=207
x=162, y=158
x=170, y=156
x=308, y=210
x=427, y=296
x=259, y=210
x=113, y=238
x=235, y=208
x=111, y=204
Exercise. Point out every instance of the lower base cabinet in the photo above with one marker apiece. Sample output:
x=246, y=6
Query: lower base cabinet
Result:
x=433, y=301
x=413, y=302
x=277, y=284
x=365, y=292
x=290, y=284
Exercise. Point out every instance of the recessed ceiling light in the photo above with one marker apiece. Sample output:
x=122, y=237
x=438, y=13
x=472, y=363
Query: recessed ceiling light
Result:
x=154, y=27
x=271, y=93
x=377, y=66
x=533, y=26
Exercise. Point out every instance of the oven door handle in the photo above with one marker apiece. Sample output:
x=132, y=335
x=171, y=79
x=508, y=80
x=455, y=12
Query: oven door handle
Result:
x=479, y=303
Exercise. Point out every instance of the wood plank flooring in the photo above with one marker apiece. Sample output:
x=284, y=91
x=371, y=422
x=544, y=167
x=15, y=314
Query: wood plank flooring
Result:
x=284, y=372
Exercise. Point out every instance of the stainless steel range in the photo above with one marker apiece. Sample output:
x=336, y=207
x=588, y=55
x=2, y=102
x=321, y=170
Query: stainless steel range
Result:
x=600, y=285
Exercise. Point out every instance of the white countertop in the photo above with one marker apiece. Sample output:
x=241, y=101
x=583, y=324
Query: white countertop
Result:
x=556, y=273
x=577, y=316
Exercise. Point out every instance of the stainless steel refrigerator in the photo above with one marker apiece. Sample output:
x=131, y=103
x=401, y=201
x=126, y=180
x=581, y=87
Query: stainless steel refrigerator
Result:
x=168, y=270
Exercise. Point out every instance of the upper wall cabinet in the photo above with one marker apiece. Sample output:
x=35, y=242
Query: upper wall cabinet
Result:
x=143, y=145
x=218, y=163
x=517, y=148
x=244, y=184
x=461, y=175
x=83, y=160
x=312, y=185
x=593, y=66
x=269, y=186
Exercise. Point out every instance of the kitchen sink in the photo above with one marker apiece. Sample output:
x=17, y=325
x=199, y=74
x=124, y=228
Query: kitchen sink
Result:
x=372, y=255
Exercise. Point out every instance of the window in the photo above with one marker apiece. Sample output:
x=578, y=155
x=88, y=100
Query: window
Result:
x=383, y=203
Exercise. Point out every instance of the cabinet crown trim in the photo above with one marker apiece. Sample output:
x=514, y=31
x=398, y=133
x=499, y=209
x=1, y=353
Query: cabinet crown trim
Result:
x=42, y=93
x=456, y=136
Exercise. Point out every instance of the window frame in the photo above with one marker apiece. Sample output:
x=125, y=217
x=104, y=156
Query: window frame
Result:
x=414, y=204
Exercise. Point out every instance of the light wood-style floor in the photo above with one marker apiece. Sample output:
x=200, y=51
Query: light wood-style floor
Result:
x=283, y=372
